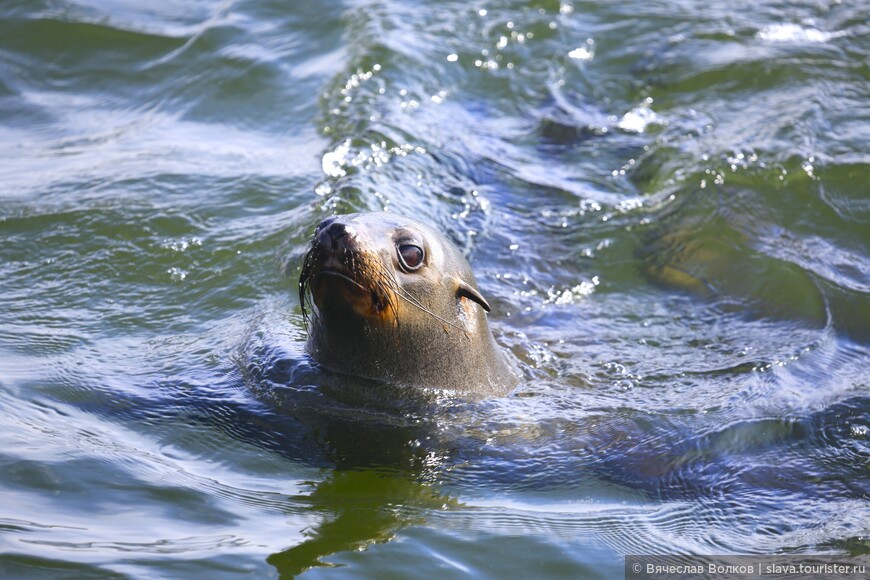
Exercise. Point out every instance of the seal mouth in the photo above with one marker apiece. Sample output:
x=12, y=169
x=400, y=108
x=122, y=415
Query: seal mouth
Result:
x=338, y=274
x=345, y=280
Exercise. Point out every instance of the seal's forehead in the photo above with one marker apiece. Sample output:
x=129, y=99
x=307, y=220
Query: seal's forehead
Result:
x=387, y=220
x=390, y=222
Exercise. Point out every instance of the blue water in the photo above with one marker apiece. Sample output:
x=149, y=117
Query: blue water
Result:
x=665, y=203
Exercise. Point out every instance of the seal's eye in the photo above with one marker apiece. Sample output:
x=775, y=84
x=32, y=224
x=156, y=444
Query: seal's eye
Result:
x=410, y=256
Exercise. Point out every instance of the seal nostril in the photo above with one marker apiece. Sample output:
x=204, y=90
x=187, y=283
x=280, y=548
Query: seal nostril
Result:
x=336, y=230
x=332, y=233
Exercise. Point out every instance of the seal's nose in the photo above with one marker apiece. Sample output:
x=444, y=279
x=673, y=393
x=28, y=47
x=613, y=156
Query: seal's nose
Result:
x=331, y=233
x=325, y=224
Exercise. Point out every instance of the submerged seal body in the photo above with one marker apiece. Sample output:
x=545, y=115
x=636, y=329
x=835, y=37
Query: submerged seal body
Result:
x=393, y=300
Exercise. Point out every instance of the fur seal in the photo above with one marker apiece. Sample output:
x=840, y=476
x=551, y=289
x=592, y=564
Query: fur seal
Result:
x=393, y=300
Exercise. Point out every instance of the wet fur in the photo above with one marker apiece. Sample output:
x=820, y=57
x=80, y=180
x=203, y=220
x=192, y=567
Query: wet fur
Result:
x=414, y=330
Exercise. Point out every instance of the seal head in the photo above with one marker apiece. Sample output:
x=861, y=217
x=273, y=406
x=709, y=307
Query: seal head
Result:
x=393, y=300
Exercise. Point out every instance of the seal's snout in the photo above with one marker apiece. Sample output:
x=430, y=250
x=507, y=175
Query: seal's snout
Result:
x=333, y=234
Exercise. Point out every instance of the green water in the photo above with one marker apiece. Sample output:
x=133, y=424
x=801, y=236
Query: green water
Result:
x=665, y=203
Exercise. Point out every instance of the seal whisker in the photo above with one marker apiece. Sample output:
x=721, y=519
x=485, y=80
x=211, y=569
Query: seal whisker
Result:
x=404, y=295
x=392, y=284
x=305, y=280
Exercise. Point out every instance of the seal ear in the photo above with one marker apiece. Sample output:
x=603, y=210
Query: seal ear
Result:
x=465, y=290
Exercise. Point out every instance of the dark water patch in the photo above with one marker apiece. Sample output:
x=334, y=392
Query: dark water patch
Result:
x=34, y=567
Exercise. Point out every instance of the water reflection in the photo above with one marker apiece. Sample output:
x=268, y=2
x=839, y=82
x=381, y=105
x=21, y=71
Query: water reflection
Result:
x=384, y=453
x=356, y=509
x=726, y=246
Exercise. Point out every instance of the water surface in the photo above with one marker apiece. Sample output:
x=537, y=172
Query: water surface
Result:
x=665, y=203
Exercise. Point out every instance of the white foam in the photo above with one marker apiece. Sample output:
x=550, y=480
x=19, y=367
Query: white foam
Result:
x=792, y=33
x=638, y=119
